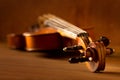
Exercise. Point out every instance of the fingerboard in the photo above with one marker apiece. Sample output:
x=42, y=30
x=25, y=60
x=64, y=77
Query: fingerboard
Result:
x=63, y=27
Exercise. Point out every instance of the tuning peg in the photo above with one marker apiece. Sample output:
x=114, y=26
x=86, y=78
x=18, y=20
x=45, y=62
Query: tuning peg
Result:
x=78, y=59
x=72, y=48
x=105, y=40
x=109, y=51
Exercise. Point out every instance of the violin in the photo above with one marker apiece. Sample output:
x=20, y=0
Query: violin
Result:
x=56, y=33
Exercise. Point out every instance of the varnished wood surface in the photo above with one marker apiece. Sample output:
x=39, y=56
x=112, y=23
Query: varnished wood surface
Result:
x=21, y=65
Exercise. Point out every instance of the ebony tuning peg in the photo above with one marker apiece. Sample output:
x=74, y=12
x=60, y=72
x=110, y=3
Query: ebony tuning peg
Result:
x=105, y=40
x=78, y=59
x=72, y=48
x=109, y=51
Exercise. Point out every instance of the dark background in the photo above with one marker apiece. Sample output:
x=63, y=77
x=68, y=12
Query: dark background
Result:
x=104, y=15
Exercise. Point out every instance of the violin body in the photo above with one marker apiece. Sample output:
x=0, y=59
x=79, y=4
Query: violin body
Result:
x=47, y=39
x=36, y=42
x=43, y=39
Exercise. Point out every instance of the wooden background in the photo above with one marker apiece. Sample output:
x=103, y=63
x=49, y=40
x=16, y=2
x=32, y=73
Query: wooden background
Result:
x=104, y=15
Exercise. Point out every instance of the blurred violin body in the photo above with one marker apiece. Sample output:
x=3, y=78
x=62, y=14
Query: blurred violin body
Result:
x=44, y=39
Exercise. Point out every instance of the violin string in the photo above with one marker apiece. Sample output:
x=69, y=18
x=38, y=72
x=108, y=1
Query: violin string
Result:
x=50, y=17
x=60, y=29
x=64, y=24
x=68, y=25
x=57, y=25
x=73, y=27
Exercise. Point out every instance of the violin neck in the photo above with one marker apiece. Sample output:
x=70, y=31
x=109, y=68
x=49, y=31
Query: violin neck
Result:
x=63, y=27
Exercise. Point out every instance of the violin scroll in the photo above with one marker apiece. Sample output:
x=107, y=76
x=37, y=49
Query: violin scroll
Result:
x=94, y=55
